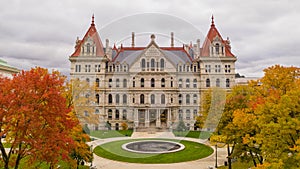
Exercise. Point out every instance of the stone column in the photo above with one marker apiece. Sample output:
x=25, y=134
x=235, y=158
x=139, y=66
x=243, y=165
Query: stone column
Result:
x=158, y=118
x=136, y=118
x=147, y=118
x=169, y=121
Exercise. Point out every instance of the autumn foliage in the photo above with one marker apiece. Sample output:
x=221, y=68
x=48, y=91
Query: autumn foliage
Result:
x=35, y=118
x=261, y=121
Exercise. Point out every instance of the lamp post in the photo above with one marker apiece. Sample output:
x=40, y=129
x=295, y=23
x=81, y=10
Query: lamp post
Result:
x=216, y=147
x=92, y=156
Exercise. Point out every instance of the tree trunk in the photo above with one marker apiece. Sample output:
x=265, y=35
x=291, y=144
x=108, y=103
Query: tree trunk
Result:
x=229, y=156
x=253, y=159
x=4, y=155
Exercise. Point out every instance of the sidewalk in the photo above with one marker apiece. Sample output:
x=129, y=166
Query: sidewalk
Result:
x=204, y=163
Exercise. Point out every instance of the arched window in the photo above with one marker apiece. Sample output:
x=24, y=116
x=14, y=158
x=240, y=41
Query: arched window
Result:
x=227, y=83
x=163, y=82
x=162, y=64
x=117, y=82
x=124, y=83
x=143, y=64
x=97, y=82
x=195, y=83
x=180, y=83
x=88, y=48
x=109, y=116
x=97, y=98
x=142, y=82
x=187, y=99
x=180, y=98
x=96, y=111
x=207, y=83
x=110, y=100
x=124, y=115
x=124, y=99
x=117, y=98
x=152, y=64
x=217, y=48
x=152, y=98
x=142, y=99
x=218, y=82
x=163, y=99
x=187, y=83
x=195, y=99
x=117, y=114
x=152, y=82
x=171, y=82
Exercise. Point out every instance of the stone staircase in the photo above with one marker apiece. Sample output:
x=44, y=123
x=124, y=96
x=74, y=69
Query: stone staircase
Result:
x=152, y=134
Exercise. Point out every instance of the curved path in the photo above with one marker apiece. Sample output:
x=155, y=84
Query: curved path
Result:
x=204, y=163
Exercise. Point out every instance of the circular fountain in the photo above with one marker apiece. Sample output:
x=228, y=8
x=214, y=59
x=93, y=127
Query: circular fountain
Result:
x=153, y=146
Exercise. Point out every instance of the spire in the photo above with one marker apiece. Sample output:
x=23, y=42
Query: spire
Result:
x=93, y=17
x=212, y=20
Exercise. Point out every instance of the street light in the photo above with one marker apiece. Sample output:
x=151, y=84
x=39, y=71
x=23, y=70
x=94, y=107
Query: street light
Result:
x=92, y=156
x=216, y=147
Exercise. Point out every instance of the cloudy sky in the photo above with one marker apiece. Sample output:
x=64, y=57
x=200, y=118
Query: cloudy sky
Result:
x=43, y=33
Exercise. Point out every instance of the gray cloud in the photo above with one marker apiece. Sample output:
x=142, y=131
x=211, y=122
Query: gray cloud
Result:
x=262, y=33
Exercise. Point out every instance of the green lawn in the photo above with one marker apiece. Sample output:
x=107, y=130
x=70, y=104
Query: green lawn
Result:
x=111, y=133
x=239, y=165
x=193, y=134
x=42, y=165
x=192, y=151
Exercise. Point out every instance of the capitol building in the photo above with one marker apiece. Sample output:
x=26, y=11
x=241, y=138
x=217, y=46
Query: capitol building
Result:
x=150, y=87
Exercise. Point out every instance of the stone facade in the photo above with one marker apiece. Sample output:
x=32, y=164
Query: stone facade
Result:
x=151, y=87
x=7, y=70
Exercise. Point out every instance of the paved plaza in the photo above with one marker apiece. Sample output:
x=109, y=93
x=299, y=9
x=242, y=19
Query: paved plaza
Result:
x=204, y=163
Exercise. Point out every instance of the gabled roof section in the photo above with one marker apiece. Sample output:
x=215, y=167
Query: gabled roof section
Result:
x=93, y=34
x=212, y=33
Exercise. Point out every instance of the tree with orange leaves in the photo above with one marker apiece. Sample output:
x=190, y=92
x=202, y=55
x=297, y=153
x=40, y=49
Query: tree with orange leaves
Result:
x=35, y=118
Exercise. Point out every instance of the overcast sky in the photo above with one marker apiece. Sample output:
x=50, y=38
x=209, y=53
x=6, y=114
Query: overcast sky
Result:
x=43, y=33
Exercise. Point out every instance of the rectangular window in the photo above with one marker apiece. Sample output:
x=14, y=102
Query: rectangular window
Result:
x=77, y=68
x=227, y=68
x=188, y=115
x=207, y=68
x=217, y=68
x=180, y=115
x=87, y=68
x=110, y=83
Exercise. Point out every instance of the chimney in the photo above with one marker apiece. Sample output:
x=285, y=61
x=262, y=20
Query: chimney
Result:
x=172, y=39
x=106, y=46
x=198, y=44
x=132, y=39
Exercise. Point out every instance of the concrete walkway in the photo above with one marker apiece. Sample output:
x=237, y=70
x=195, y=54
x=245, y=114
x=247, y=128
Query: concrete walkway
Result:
x=204, y=163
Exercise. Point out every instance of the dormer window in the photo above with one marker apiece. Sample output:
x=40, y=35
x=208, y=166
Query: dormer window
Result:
x=88, y=48
x=217, y=49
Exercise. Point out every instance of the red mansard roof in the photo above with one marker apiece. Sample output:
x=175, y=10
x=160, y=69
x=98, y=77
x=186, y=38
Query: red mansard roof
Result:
x=212, y=33
x=92, y=33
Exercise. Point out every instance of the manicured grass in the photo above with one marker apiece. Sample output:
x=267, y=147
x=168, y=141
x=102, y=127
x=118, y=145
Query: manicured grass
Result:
x=42, y=165
x=193, y=134
x=114, y=151
x=111, y=133
x=238, y=165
